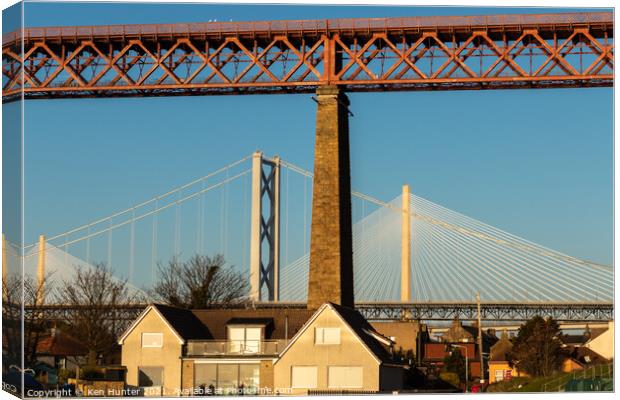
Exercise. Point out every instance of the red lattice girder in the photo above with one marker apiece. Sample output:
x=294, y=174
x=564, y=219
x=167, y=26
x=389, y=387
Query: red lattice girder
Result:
x=418, y=53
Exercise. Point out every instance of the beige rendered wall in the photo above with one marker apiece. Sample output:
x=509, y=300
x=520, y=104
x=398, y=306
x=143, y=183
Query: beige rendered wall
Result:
x=266, y=374
x=168, y=356
x=604, y=343
x=187, y=376
x=303, y=352
x=502, y=365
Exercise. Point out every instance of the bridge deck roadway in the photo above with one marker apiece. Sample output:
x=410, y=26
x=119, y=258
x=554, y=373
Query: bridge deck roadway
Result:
x=440, y=311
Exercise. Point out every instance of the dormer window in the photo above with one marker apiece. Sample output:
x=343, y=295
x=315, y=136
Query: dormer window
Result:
x=244, y=339
x=327, y=336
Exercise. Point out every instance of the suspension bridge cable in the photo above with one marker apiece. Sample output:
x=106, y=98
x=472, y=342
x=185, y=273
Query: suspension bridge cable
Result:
x=140, y=205
x=245, y=222
x=110, y=244
x=146, y=214
x=222, y=221
x=305, y=212
x=132, y=245
x=88, y=248
x=286, y=209
x=225, y=189
x=176, y=228
x=154, y=243
x=199, y=221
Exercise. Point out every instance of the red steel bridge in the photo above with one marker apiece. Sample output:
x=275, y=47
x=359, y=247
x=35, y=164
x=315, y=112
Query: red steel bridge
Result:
x=380, y=54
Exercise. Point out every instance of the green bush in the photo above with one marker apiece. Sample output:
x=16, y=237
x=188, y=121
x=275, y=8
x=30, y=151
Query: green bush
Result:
x=64, y=374
x=452, y=378
x=91, y=373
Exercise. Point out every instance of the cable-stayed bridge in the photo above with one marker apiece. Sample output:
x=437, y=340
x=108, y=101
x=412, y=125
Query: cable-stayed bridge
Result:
x=256, y=213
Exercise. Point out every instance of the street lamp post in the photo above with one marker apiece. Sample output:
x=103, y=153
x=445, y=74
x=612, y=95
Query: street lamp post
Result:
x=466, y=364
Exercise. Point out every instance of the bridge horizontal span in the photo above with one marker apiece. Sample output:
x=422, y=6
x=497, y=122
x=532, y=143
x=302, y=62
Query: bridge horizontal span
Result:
x=443, y=311
x=380, y=54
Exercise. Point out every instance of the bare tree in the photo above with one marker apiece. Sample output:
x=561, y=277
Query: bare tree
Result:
x=199, y=282
x=35, y=322
x=92, y=298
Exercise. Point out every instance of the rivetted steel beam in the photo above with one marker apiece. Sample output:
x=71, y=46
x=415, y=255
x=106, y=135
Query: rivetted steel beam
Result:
x=377, y=54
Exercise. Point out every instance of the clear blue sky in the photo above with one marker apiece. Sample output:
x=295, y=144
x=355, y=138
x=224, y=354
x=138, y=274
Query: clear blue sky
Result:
x=537, y=163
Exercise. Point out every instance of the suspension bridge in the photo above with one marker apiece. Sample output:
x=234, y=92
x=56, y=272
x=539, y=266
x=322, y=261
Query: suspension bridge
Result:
x=301, y=237
x=408, y=243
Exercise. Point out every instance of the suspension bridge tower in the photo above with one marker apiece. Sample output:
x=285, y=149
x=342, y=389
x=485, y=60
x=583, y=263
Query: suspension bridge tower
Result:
x=265, y=229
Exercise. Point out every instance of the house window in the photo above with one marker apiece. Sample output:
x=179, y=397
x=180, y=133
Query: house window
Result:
x=244, y=340
x=227, y=378
x=327, y=336
x=150, y=376
x=499, y=375
x=344, y=377
x=304, y=377
x=152, y=339
x=205, y=376
x=249, y=377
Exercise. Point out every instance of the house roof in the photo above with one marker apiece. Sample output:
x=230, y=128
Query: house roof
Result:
x=585, y=355
x=280, y=323
x=249, y=321
x=283, y=323
x=364, y=331
x=575, y=339
x=61, y=344
x=457, y=332
x=596, y=332
x=369, y=337
x=436, y=351
x=184, y=322
x=210, y=324
x=501, y=348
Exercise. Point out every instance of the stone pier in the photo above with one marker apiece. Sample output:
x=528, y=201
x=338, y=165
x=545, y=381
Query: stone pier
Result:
x=331, y=248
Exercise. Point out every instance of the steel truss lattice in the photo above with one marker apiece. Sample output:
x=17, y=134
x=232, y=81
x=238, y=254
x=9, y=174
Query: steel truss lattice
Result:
x=562, y=312
x=421, y=53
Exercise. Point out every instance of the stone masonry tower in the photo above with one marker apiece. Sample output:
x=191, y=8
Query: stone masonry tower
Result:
x=331, y=244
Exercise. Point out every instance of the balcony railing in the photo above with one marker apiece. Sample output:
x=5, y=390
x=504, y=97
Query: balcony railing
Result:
x=235, y=347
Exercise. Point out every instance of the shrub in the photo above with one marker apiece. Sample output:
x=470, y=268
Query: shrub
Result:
x=452, y=378
x=65, y=374
x=90, y=373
